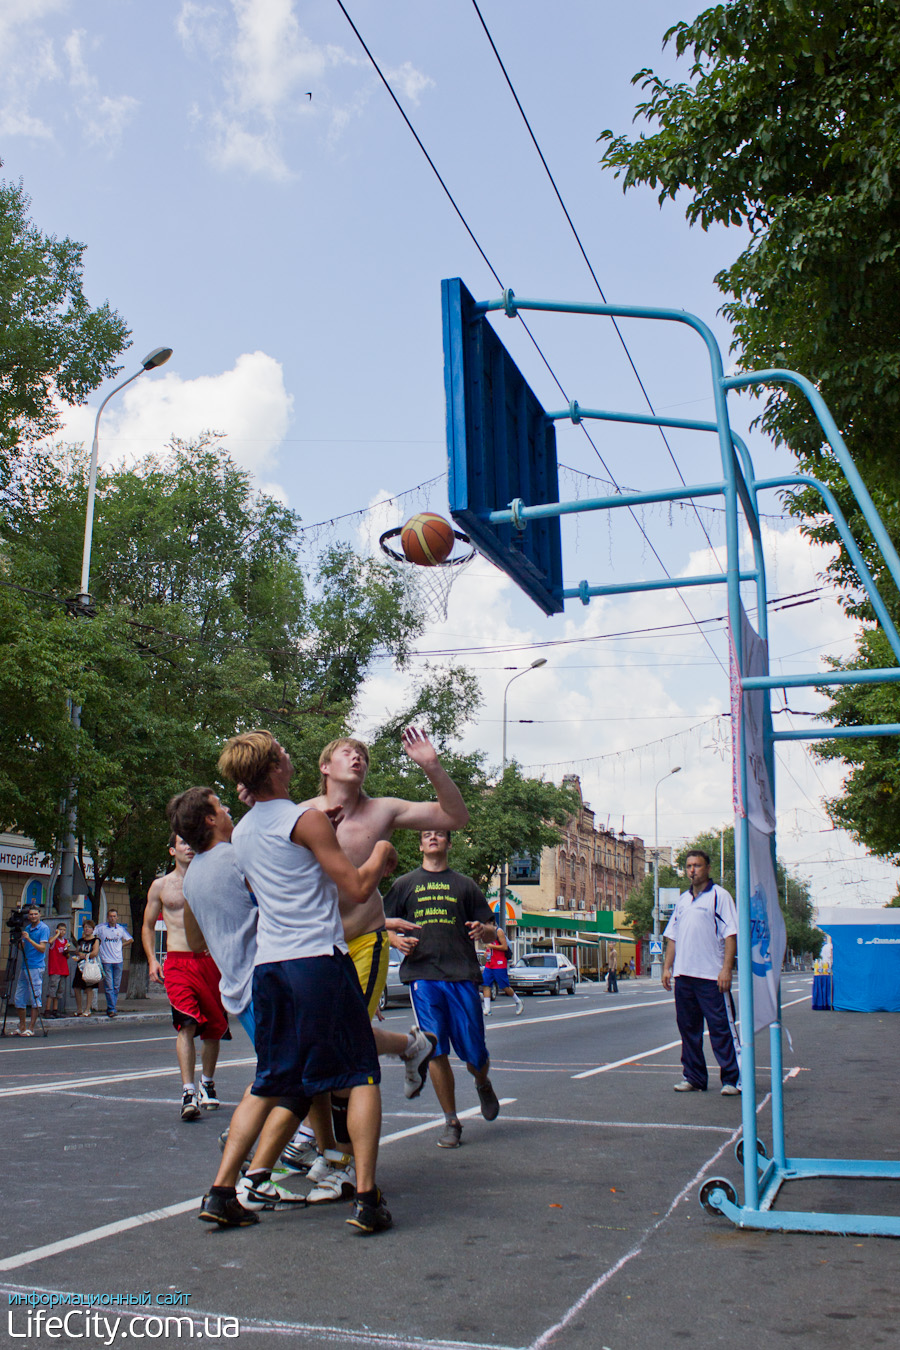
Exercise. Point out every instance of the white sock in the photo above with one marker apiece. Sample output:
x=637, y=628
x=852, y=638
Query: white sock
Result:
x=204, y=1080
x=487, y=1005
x=189, y=1086
x=517, y=999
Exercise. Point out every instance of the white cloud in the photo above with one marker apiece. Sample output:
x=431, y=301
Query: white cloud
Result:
x=248, y=404
x=104, y=118
x=31, y=63
x=268, y=68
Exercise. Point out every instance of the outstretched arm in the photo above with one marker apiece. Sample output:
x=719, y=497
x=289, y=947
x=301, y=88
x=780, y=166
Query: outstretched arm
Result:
x=449, y=812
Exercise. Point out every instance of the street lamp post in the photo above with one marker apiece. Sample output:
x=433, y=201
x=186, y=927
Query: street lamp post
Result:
x=656, y=963
x=83, y=605
x=501, y=908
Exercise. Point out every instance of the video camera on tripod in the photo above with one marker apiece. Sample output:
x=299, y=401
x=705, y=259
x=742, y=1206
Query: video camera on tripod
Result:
x=16, y=923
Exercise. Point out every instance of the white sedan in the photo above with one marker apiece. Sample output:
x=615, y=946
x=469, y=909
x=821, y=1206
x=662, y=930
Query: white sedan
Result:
x=543, y=971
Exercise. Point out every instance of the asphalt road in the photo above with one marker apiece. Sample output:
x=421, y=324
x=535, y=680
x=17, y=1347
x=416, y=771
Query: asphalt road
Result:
x=572, y=1221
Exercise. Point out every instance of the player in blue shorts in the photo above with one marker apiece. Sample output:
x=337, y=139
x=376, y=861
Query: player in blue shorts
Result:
x=441, y=968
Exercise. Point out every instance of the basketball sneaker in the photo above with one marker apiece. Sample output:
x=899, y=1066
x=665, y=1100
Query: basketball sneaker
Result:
x=226, y=1211
x=189, y=1108
x=371, y=1218
x=207, y=1095
x=416, y=1061
x=299, y=1157
x=338, y=1183
x=266, y=1195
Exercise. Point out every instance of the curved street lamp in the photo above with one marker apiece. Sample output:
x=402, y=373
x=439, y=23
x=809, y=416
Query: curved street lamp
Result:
x=656, y=963
x=83, y=605
x=501, y=908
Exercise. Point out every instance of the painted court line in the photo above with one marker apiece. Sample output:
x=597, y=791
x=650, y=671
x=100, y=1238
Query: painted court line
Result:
x=101, y=1079
x=184, y=1206
x=546, y=1337
x=617, y=1063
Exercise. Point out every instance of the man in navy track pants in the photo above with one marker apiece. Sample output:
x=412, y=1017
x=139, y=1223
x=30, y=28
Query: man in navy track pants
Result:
x=700, y=951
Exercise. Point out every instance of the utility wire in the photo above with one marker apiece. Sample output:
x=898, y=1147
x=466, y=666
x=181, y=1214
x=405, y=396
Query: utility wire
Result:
x=590, y=268
x=534, y=341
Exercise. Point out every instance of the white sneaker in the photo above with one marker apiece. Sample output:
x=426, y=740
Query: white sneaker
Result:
x=339, y=1183
x=299, y=1157
x=266, y=1195
x=731, y=1090
x=520, y=1006
x=416, y=1062
x=325, y=1162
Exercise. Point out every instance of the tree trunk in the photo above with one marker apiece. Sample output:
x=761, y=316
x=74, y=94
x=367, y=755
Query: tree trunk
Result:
x=139, y=973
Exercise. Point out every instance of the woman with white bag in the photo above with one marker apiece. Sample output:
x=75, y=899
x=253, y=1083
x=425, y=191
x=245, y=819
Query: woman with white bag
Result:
x=86, y=949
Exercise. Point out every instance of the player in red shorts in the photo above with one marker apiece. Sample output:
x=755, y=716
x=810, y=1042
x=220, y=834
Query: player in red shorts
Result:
x=191, y=980
x=496, y=972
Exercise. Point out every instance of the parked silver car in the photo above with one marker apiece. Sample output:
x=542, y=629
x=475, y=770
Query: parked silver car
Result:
x=546, y=971
x=394, y=991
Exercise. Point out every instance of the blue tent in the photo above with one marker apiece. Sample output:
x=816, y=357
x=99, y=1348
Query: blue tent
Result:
x=866, y=958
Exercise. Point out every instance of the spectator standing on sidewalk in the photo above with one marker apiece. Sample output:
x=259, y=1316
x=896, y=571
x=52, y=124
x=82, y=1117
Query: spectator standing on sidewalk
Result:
x=34, y=940
x=57, y=971
x=88, y=945
x=113, y=938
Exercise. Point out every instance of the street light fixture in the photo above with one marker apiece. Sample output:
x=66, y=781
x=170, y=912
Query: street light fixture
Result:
x=501, y=908
x=83, y=605
x=655, y=962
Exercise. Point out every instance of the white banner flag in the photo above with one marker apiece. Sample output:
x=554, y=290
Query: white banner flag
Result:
x=767, y=932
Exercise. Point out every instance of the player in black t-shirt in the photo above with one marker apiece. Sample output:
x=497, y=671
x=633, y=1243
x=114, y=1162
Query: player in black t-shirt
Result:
x=441, y=968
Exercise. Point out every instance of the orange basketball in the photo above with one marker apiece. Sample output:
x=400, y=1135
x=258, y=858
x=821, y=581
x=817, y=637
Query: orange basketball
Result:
x=427, y=539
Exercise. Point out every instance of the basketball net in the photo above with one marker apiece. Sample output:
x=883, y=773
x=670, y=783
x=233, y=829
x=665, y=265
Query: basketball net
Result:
x=429, y=586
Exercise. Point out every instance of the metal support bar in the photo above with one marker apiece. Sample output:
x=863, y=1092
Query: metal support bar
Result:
x=575, y=413
x=519, y=514
x=838, y=733
x=584, y=592
x=889, y=675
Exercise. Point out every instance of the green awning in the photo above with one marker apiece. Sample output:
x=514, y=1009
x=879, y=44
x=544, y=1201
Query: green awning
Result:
x=602, y=926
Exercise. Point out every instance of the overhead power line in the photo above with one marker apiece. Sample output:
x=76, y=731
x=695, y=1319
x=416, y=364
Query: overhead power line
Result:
x=495, y=274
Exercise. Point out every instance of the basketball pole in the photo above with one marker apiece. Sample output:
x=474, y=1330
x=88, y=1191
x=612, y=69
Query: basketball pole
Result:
x=501, y=907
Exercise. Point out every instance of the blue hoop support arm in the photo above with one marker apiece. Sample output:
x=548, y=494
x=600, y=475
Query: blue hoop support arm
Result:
x=836, y=441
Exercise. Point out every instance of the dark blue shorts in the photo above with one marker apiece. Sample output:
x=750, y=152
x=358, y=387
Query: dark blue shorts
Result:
x=451, y=1010
x=497, y=975
x=313, y=1032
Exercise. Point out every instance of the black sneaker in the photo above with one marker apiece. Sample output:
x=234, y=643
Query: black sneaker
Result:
x=371, y=1218
x=490, y=1106
x=226, y=1211
x=189, y=1108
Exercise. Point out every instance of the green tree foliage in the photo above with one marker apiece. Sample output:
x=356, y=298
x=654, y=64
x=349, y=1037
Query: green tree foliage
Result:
x=789, y=127
x=639, y=903
x=509, y=814
x=793, y=891
x=54, y=348
x=205, y=624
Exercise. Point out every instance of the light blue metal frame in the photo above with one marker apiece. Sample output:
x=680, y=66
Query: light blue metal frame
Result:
x=762, y=1176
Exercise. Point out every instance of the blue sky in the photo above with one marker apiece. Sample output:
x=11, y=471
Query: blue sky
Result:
x=290, y=249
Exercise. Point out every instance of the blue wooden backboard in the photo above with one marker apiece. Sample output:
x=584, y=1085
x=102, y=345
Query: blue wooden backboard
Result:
x=501, y=446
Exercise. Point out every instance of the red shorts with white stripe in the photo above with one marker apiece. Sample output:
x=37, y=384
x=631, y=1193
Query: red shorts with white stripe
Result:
x=192, y=984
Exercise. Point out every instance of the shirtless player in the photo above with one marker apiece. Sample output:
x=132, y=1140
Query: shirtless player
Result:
x=191, y=981
x=362, y=822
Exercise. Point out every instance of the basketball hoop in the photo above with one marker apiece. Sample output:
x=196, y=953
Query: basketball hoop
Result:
x=432, y=584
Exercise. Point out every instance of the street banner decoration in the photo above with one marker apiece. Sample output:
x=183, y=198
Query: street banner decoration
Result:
x=768, y=937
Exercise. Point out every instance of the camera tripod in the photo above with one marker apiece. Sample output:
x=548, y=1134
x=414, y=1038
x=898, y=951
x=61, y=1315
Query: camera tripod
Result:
x=11, y=976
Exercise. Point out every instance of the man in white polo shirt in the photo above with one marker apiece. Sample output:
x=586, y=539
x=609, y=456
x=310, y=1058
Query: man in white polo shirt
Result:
x=700, y=951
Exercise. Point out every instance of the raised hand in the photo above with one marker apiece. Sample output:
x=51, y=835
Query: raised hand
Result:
x=419, y=748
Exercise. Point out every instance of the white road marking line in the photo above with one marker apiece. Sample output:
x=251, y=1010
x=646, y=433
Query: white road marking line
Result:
x=90, y=1045
x=101, y=1079
x=617, y=1063
x=184, y=1207
x=546, y=1337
